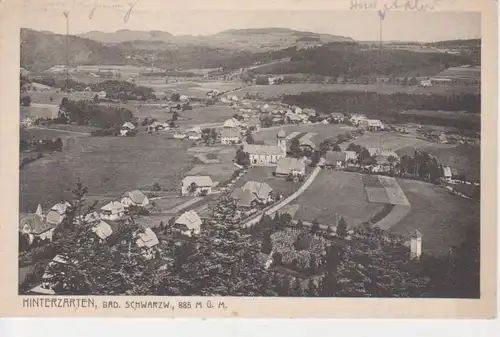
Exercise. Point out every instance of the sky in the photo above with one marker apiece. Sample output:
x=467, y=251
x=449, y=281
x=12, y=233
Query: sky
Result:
x=179, y=20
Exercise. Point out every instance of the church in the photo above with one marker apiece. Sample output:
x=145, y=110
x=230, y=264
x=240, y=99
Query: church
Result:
x=267, y=154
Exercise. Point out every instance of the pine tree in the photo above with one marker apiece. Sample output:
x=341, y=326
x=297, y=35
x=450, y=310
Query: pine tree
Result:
x=342, y=228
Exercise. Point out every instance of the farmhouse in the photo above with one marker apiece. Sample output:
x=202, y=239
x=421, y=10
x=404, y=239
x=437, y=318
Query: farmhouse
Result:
x=438, y=137
x=306, y=144
x=386, y=161
x=232, y=123
x=147, y=241
x=371, y=124
x=134, y=198
x=194, y=133
x=103, y=230
x=179, y=135
x=189, y=223
x=35, y=227
x=253, y=193
x=230, y=136
x=112, y=211
x=287, y=166
x=293, y=118
x=335, y=159
x=356, y=119
x=57, y=213
x=101, y=95
x=126, y=128
x=267, y=154
x=244, y=199
x=196, y=185
x=351, y=156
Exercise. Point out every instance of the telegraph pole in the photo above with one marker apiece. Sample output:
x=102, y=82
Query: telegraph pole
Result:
x=381, y=16
x=66, y=15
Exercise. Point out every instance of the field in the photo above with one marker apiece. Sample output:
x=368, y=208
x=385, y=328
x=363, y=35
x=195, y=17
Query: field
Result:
x=442, y=218
x=44, y=134
x=391, y=141
x=335, y=192
x=321, y=131
x=273, y=91
x=107, y=165
x=190, y=88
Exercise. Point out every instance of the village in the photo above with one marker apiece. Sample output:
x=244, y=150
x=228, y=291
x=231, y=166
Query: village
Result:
x=272, y=153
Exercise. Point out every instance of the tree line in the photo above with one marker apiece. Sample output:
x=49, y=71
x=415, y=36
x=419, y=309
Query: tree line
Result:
x=86, y=112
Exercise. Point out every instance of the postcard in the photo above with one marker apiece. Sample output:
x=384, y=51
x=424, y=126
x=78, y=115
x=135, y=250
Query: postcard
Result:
x=288, y=158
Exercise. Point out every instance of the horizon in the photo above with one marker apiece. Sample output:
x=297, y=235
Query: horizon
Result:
x=397, y=26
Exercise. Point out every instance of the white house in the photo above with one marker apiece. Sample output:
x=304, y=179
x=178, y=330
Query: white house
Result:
x=292, y=166
x=356, y=119
x=372, y=124
x=267, y=154
x=194, y=133
x=188, y=223
x=112, y=211
x=232, y=123
x=102, y=94
x=262, y=191
x=126, y=128
x=35, y=226
x=196, y=185
x=103, y=230
x=230, y=136
x=57, y=213
x=135, y=198
x=179, y=135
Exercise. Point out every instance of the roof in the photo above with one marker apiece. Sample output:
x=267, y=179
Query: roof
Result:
x=246, y=198
x=61, y=207
x=200, y=181
x=112, y=206
x=189, y=219
x=102, y=230
x=259, y=189
x=281, y=134
x=231, y=123
x=54, y=217
x=35, y=223
x=92, y=217
x=263, y=149
x=136, y=196
x=332, y=157
x=230, y=133
x=468, y=73
x=128, y=125
x=293, y=117
x=147, y=239
x=287, y=165
x=373, y=151
x=307, y=142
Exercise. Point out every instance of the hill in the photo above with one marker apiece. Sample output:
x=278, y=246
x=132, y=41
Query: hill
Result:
x=40, y=51
x=127, y=35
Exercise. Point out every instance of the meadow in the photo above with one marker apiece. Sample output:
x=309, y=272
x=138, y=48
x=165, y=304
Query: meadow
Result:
x=336, y=192
x=107, y=165
x=442, y=218
x=274, y=91
x=320, y=131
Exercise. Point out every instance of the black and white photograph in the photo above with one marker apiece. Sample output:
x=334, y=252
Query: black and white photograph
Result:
x=309, y=154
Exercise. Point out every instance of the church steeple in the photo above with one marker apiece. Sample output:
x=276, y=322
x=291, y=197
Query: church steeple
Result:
x=281, y=140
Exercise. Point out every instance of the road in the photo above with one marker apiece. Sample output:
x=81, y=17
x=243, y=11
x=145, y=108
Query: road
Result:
x=256, y=218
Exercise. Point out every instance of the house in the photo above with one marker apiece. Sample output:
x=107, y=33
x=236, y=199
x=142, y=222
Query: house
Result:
x=335, y=159
x=244, y=199
x=112, y=211
x=155, y=127
x=306, y=144
x=287, y=166
x=371, y=124
x=230, y=136
x=386, y=161
x=189, y=223
x=293, y=118
x=184, y=98
x=179, y=135
x=267, y=154
x=93, y=217
x=196, y=185
x=447, y=173
x=193, y=134
x=35, y=226
x=101, y=94
x=148, y=239
x=262, y=191
x=438, y=137
x=350, y=156
x=135, y=198
x=356, y=119
x=57, y=213
x=27, y=122
x=103, y=230
x=126, y=128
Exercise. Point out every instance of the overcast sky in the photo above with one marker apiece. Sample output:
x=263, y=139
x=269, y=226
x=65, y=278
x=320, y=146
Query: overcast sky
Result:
x=149, y=15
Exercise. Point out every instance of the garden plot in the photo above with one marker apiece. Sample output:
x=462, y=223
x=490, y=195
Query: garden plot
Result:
x=388, y=191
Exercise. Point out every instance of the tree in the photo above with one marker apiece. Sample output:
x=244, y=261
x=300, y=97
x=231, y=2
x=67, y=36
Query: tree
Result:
x=342, y=228
x=175, y=116
x=64, y=103
x=26, y=101
x=176, y=97
x=58, y=144
x=267, y=244
x=391, y=160
x=224, y=261
x=365, y=158
x=337, y=148
x=249, y=137
x=96, y=98
x=156, y=187
x=192, y=188
x=242, y=158
x=315, y=226
x=295, y=150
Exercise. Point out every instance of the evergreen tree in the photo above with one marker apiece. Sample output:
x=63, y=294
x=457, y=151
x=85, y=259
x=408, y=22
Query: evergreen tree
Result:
x=342, y=228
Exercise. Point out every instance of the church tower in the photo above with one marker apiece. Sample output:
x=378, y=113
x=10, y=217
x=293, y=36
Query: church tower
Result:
x=281, y=140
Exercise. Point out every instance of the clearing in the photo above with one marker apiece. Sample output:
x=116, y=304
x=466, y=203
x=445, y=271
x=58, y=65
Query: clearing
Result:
x=106, y=165
x=320, y=132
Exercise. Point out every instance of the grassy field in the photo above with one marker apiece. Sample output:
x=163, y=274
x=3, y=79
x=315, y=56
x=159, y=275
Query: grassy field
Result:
x=442, y=218
x=322, y=131
x=273, y=91
x=190, y=88
x=335, y=192
x=465, y=158
x=43, y=134
x=390, y=141
x=203, y=115
x=107, y=165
